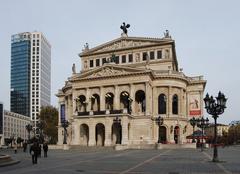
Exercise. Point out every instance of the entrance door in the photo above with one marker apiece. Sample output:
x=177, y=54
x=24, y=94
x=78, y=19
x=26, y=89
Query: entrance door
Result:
x=163, y=134
x=117, y=133
x=176, y=134
x=100, y=134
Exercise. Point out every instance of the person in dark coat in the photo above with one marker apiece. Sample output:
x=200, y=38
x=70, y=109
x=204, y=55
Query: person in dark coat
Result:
x=34, y=152
x=39, y=150
x=45, y=149
x=24, y=147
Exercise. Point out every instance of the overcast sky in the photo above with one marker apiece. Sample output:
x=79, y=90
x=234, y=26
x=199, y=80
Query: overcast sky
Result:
x=207, y=36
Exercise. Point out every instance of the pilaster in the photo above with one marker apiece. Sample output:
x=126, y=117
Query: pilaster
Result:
x=108, y=132
x=102, y=99
x=92, y=141
x=132, y=94
x=116, y=98
x=124, y=123
x=169, y=101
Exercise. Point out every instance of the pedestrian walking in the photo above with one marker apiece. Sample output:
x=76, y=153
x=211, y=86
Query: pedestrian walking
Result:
x=24, y=147
x=45, y=149
x=39, y=150
x=34, y=152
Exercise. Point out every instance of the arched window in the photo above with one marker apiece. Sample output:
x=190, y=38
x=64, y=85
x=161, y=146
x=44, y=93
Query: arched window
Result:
x=162, y=104
x=175, y=104
x=141, y=101
x=95, y=102
x=109, y=100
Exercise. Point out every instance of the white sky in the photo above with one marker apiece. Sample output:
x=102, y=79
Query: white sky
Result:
x=206, y=34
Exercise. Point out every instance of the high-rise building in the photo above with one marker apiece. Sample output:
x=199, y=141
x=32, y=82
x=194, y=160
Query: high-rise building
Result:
x=30, y=73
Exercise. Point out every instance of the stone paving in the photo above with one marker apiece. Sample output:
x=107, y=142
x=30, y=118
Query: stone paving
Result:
x=108, y=161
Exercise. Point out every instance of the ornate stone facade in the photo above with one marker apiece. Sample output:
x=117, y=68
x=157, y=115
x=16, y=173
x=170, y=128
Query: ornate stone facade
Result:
x=110, y=103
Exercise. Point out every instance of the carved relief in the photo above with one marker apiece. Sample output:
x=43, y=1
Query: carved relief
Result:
x=123, y=44
x=85, y=64
x=137, y=57
x=107, y=72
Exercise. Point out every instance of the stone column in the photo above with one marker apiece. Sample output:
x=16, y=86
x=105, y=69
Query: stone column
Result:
x=169, y=100
x=108, y=132
x=60, y=136
x=201, y=102
x=154, y=102
x=116, y=98
x=70, y=104
x=124, y=123
x=132, y=96
x=148, y=98
x=102, y=99
x=76, y=133
x=88, y=100
x=92, y=140
x=180, y=102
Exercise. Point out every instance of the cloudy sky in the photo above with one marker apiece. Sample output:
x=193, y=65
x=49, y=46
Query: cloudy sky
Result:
x=207, y=35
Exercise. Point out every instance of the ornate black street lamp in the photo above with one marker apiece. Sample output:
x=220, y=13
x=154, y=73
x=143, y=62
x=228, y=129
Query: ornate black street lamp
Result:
x=117, y=121
x=159, y=121
x=193, y=123
x=29, y=128
x=65, y=124
x=202, y=123
x=215, y=108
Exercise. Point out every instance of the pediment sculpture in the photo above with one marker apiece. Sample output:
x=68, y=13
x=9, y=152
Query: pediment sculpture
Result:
x=107, y=72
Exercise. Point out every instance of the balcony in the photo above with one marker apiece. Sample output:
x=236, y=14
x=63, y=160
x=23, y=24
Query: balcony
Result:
x=106, y=112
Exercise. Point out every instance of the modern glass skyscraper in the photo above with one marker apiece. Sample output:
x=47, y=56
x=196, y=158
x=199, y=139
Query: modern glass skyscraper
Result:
x=30, y=73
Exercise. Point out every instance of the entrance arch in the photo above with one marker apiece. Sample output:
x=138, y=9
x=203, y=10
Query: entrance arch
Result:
x=116, y=133
x=163, y=134
x=81, y=105
x=176, y=134
x=100, y=134
x=84, y=134
x=95, y=102
x=126, y=101
x=109, y=97
x=140, y=99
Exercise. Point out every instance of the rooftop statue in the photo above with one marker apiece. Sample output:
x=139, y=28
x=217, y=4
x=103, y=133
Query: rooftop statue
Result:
x=124, y=27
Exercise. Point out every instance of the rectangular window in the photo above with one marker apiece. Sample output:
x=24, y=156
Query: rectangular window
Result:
x=159, y=54
x=130, y=58
x=91, y=63
x=152, y=55
x=145, y=56
x=104, y=60
x=124, y=59
x=117, y=59
x=97, y=62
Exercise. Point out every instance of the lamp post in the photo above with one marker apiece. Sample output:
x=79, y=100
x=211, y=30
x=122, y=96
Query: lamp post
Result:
x=29, y=128
x=193, y=123
x=202, y=123
x=65, y=124
x=117, y=120
x=215, y=108
x=159, y=121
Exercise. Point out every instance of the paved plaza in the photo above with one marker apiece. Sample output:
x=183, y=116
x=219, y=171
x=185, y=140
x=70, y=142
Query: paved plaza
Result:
x=108, y=161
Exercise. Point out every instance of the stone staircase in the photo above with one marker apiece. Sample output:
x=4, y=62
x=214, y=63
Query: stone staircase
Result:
x=91, y=148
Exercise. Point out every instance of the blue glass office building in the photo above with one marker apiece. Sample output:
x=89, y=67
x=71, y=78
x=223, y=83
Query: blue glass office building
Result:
x=30, y=73
x=20, y=74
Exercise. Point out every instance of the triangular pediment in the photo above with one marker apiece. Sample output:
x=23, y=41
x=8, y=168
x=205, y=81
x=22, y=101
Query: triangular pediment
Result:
x=109, y=70
x=125, y=43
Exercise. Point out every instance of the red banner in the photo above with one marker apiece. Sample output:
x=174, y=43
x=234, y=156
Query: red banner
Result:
x=195, y=112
